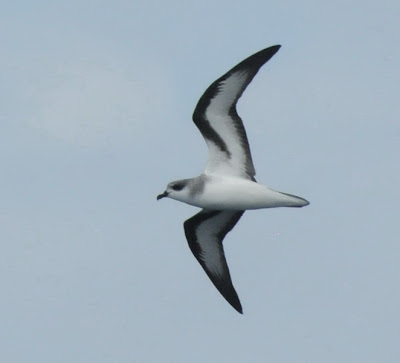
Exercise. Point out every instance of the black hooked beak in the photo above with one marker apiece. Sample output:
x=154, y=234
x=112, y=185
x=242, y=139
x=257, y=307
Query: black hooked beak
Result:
x=163, y=195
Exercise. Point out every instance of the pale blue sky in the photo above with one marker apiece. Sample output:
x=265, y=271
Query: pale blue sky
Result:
x=96, y=101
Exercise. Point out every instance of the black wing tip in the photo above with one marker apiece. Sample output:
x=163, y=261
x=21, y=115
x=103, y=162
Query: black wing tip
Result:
x=238, y=308
x=252, y=63
x=274, y=49
x=229, y=293
x=263, y=56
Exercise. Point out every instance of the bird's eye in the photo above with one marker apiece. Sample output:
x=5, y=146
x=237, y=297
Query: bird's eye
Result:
x=177, y=187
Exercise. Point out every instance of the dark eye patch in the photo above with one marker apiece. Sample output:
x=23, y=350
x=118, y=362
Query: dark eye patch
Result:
x=178, y=187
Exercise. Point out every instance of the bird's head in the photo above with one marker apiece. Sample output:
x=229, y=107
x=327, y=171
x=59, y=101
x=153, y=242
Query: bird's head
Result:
x=177, y=190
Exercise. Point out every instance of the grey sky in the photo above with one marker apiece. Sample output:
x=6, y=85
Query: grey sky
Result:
x=96, y=101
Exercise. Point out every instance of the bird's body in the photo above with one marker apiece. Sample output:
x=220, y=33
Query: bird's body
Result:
x=227, y=186
x=217, y=192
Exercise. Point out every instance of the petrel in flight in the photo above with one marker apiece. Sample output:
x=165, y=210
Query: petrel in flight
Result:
x=227, y=186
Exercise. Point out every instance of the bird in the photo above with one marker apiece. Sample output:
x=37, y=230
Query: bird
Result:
x=227, y=187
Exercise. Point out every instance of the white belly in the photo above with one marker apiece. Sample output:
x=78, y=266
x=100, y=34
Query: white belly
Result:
x=241, y=194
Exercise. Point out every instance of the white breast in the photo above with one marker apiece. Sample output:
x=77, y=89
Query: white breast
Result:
x=230, y=193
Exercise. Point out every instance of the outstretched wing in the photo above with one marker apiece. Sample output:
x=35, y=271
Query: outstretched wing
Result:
x=216, y=117
x=205, y=232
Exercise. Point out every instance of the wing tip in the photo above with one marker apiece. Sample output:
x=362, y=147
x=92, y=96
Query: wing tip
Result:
x=274, y=49
x=238, y=308
x=231, y=297
x=270, y=51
